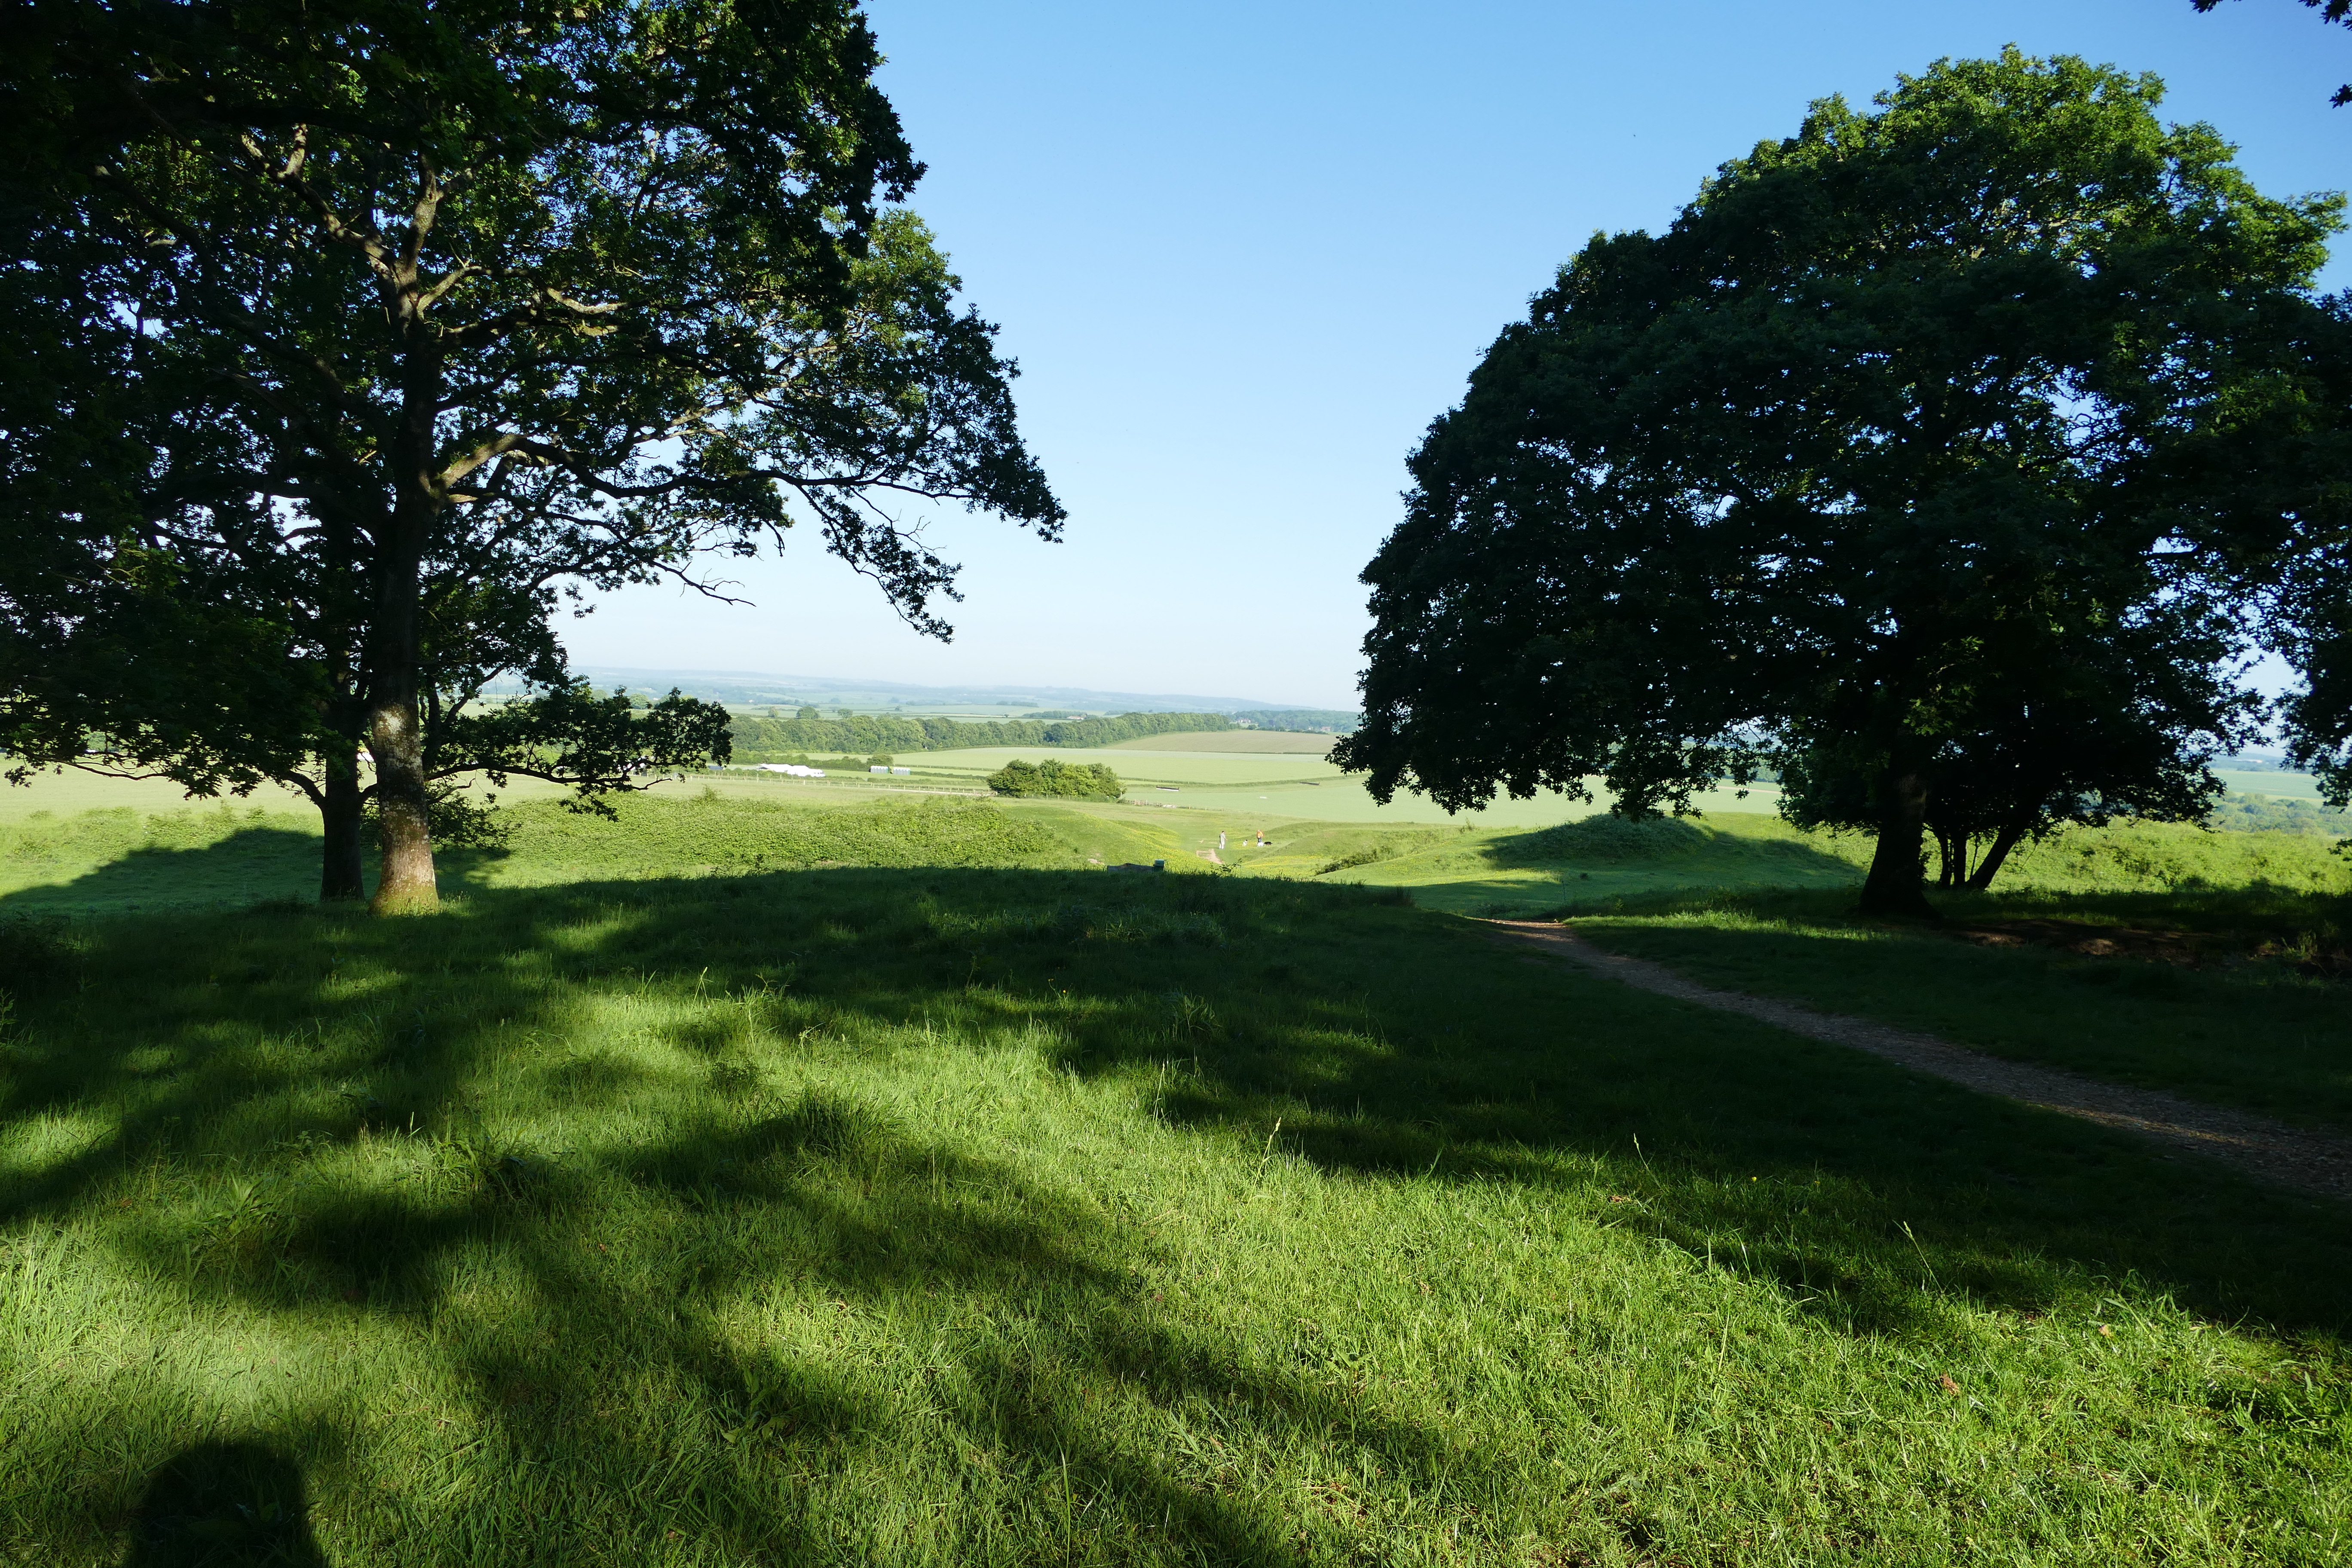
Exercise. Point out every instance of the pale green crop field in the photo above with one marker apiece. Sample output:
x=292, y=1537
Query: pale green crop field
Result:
x=1262, y=742
x=71, y=792
x=1199, y=768
x=2284, y=786
x=1247, y=791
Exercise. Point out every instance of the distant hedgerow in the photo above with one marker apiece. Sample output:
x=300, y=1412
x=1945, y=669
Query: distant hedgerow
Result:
x=1056, y=779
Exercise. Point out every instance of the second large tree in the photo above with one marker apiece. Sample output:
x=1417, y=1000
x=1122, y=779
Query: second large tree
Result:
x=1873, y=441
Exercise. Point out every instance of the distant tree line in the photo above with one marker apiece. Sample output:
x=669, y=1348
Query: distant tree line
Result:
x=1302, y=721
x=773, y=740
x=2272, y=814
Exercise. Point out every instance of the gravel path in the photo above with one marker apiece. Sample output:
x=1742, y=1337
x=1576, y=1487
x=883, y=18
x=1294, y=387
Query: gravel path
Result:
x=2311, y=1161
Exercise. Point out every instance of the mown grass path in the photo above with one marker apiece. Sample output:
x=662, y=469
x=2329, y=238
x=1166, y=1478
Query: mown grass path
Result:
x=2256, y=1144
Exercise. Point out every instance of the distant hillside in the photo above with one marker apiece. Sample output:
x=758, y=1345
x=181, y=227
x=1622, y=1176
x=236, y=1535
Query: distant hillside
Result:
x=739, y=689
x=780, y=740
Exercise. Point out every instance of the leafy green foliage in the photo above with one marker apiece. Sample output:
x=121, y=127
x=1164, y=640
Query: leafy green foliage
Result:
x=2270, y=814
x=461, y=819
x=568, y=735
x=1884, y=448
x=1056, y=779
x=414, y=318
x=2297, y=552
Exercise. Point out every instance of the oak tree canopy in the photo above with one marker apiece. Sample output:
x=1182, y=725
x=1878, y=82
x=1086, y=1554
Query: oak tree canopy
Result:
x=344, y=341
x=1919, y=438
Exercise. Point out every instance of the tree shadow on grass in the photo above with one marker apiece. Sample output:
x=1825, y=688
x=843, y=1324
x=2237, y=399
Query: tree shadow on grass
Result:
x=391, y=1202
x=250, y=865
x=224, y=1505
x=595, y=1377
x=643, y=1269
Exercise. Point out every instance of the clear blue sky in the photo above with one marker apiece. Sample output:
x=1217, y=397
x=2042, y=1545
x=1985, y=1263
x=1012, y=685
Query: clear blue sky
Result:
x=1246, y=253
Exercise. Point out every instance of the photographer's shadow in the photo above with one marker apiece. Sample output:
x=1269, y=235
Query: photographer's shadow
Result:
x=224, y=1505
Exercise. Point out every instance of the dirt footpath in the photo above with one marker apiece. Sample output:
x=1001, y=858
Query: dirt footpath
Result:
x=2310, y=1161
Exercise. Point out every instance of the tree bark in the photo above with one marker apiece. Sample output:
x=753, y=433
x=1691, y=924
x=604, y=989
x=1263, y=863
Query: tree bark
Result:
x=2005, y=841
x=395, y=730
x=341, y=875
x=1894, y=886
x=404, y=879
x=1952, y=859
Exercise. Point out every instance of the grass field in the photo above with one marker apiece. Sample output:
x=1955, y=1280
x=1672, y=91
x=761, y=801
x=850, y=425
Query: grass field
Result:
x=1024, y=1216
x=855, y=1176
x=1259, y=742
x=1243, y=791
x=1596, y=863
x=2286, y=786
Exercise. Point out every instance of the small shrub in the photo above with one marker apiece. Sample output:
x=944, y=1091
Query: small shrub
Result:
x=1607, y=836
x=1370, y=857
x=1058, y=780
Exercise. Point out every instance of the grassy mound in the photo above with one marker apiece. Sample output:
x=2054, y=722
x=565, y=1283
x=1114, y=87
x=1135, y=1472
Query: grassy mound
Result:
x=663, y=834
x=1605, y=863
x=116, y=858
x=1004, y=1216
x=2169, y=857
x=120, y=861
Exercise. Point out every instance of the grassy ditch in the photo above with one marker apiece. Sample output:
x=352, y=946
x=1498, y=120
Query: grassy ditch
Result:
x=1019, y=1216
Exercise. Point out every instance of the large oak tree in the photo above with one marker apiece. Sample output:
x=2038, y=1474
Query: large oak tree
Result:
x=386, y=324
x=1868, y=459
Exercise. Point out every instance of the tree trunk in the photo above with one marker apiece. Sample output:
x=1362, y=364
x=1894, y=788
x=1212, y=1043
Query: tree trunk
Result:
x=2005, y=841
x=395, y=732
x=1952, y=859
x=1894, y=886
x=395, y=735
x=404, y=879
x=340, y=873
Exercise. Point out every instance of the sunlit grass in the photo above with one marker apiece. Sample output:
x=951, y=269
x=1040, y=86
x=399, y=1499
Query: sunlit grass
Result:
x=1021, y=1216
